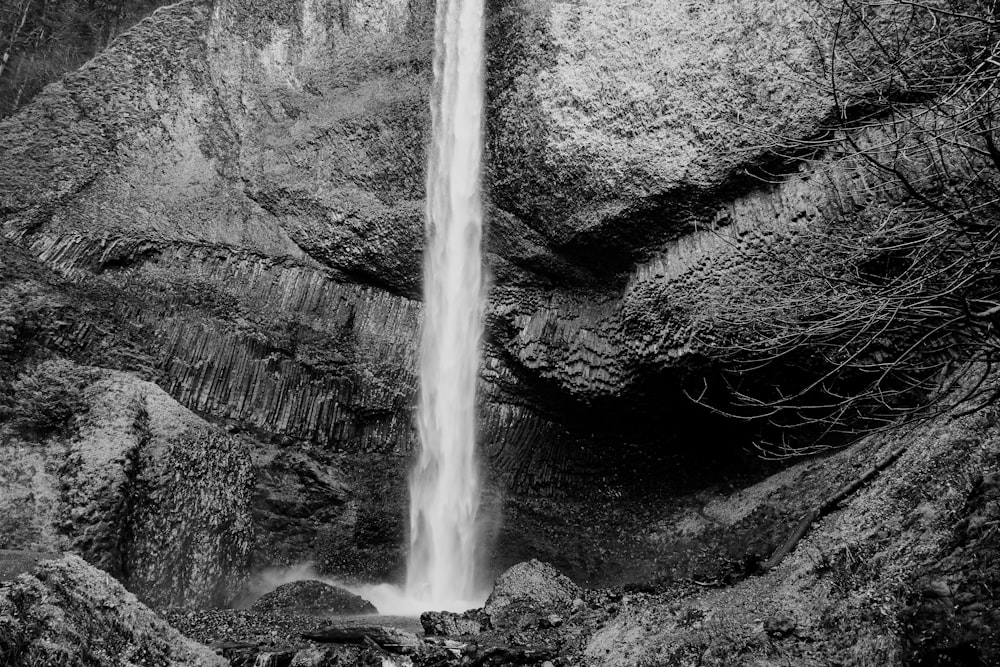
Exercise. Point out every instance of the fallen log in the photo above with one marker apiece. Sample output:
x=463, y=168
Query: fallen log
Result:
x=518, y=655
x=390, y=639
x=827, y=506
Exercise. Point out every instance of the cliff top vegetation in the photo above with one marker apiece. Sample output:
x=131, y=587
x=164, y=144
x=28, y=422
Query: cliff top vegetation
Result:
x=40, y=40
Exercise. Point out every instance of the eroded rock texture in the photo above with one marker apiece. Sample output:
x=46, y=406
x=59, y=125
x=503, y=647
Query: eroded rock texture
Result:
x=532, y=586
x=312, y=598
x=239, y=185
x=143, y=489
x=877, y=581
x=68, y=612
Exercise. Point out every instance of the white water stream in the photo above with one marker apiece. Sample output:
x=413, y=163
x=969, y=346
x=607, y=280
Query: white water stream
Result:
x=444, y=485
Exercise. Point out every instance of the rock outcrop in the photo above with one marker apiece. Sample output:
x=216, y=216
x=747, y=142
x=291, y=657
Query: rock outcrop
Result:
x=875, y=582
x=68, y=612
x=312, y=598
x=898, y=572
x=452, y=624
x=143, y=489
x=530, y=587
x=239, y=187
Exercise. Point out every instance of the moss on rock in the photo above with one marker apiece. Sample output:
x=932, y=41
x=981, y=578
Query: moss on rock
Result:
x=142, y=488
x=67, y=612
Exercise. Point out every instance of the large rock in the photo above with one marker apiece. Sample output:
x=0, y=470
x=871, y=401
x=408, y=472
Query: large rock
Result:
x=191, y=530
x=896, y=575
x=529, y=587
x=68, y=613
x=394, y=640
x=143, y=489
x=452, y=624
x=312, y=598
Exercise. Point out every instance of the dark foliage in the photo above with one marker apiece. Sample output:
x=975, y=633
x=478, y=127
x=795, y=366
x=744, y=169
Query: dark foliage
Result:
x=40, y=40
x=46, y=399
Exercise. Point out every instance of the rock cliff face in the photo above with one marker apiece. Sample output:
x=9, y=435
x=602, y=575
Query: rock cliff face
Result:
x=876, y=582
x=143, y=489
x=239, y=185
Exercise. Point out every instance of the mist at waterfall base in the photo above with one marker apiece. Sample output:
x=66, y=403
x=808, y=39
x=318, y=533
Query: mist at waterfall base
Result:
x=444, y=484
x=388, y=599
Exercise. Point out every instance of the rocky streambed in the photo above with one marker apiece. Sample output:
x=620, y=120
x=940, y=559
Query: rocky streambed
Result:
x=902, y=571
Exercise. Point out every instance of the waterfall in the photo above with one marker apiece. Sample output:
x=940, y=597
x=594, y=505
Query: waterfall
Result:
x=444, y=485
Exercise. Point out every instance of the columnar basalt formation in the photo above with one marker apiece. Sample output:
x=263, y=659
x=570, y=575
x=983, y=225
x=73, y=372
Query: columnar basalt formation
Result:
x=239, y=186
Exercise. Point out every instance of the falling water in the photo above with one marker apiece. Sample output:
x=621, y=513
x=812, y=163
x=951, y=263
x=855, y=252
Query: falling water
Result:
x=444, y=487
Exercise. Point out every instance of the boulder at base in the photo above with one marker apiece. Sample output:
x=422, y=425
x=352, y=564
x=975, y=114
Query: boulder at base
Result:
x=67, y=612
x=529, y=587
x=450, y=624
x=313, y=598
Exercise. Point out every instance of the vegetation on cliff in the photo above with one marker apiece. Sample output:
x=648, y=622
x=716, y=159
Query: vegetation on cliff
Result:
x=865, y=309
x=794, y=201
x=40, y=40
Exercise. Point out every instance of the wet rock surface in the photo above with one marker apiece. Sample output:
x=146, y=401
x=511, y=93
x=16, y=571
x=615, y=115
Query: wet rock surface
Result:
x=239, y=189
x=246, y=637
x=837, y=595
x=716, y=528
x=393, y=640
x=313, y=598
x=137, y=476
x=451, y=624
x=864, y=587
x=527, y=589
x=228, y=202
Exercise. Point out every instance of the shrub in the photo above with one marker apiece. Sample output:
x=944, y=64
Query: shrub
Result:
x=26, y=308
x=854, y=322
x=46, y=399
x=40, y=40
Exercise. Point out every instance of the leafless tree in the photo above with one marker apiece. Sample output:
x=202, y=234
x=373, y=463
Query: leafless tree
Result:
x=40, y=40
x=862, y=318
